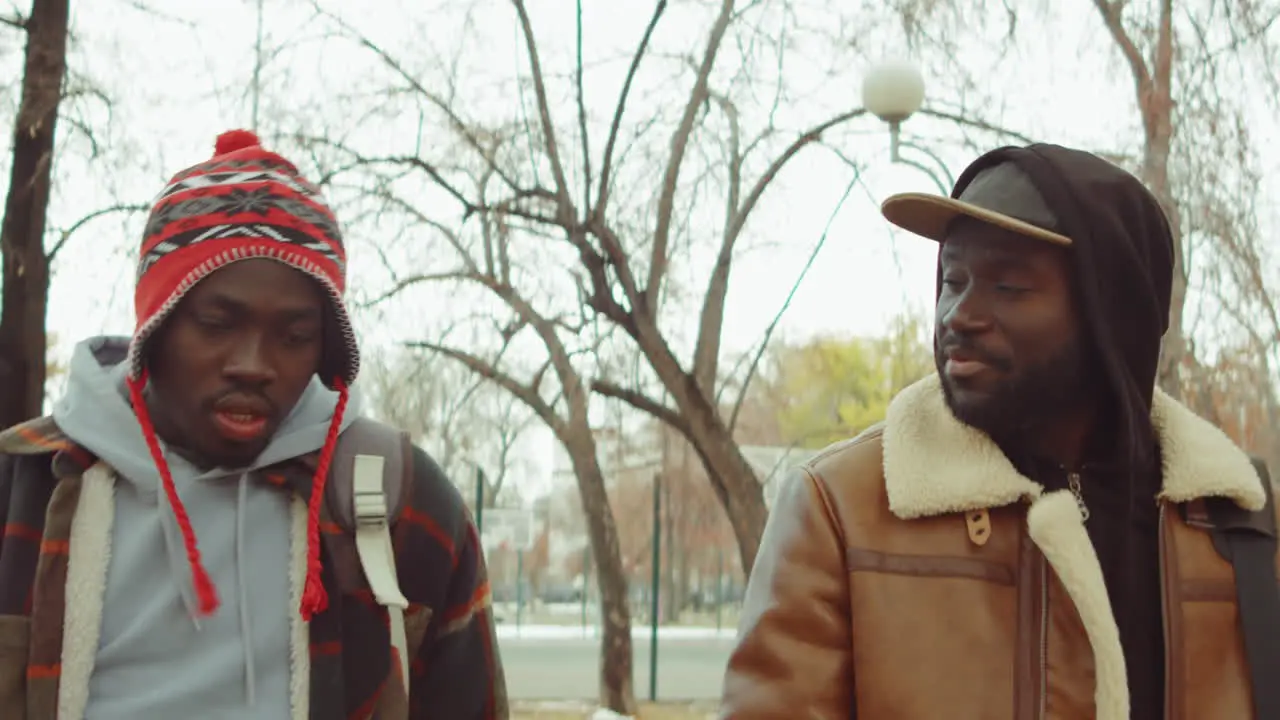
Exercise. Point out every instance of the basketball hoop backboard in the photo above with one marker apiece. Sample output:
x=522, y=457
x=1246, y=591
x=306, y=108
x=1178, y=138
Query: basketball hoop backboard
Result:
x=508, y=529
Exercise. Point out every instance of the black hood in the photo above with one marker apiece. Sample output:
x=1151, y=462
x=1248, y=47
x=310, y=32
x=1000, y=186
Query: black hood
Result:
x=1122, y=249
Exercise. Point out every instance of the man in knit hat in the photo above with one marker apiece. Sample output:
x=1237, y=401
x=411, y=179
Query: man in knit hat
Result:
x=167, y=547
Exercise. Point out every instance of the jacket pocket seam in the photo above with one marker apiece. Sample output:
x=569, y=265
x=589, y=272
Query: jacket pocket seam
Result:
x=939, y=566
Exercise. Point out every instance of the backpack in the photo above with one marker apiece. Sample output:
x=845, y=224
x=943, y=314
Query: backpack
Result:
x=366, y=487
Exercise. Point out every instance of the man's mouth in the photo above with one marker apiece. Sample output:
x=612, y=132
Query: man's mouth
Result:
x=961, y=369
x=241, y=419
x=963, y=364
x=240, y=426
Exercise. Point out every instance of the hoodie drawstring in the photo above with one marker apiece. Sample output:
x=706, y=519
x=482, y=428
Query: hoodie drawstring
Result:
x=314, y=598
x=206, y=593
x=246, y=629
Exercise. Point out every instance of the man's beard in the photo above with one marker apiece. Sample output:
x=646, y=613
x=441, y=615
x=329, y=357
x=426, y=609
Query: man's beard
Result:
x=1028, y=399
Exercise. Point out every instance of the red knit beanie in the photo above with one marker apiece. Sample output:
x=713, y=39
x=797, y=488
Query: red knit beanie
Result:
x=243, y=203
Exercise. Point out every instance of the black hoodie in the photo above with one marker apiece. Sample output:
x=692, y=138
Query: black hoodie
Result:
x=1122, y=249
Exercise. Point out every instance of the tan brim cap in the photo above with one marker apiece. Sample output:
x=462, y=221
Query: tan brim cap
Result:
x=1001, y=195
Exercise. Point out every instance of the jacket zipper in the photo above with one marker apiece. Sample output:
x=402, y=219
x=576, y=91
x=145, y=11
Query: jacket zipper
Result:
x=1164, y=609
x=1073, y=484
x=1044, y=635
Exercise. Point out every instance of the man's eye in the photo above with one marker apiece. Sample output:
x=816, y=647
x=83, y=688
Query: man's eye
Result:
x=212, y=323
x=1010, y=289
x=295, y=338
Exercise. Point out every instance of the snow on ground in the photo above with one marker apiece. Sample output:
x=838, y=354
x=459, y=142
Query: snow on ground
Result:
x=607, y=714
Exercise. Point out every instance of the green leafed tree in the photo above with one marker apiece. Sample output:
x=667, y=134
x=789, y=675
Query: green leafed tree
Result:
x=830, y=388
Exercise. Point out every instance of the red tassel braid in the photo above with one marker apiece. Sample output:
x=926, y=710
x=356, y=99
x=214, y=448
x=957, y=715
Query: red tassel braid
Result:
x=314, y=598
x=206, y=593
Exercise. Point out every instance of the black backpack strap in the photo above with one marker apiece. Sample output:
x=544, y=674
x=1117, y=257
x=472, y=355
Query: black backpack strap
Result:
x=1248, y=540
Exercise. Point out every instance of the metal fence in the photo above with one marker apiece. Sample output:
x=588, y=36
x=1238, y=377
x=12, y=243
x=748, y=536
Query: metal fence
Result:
x=684, y=580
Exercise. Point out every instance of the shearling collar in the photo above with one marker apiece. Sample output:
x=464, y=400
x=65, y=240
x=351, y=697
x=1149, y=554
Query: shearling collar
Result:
x=934, y=464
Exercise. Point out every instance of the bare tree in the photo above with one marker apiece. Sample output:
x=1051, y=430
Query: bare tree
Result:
x=566, y=414
x=467, y=423
x=53, y=96
x=623, y=249
x=25, y=265
x=708, y=132
x=486, y=268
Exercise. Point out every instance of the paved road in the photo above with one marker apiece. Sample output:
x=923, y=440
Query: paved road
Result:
x=565, y=669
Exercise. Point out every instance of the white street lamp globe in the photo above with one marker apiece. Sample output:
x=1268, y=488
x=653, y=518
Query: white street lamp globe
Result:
x=893, y=90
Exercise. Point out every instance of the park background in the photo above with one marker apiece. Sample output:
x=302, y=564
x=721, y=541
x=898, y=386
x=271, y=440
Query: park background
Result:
x=618, y=264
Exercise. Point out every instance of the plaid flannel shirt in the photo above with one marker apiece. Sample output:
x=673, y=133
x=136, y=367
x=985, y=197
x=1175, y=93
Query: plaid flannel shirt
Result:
x=455, y=674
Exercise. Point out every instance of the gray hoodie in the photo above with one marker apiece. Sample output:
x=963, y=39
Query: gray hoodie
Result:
x=154, y=658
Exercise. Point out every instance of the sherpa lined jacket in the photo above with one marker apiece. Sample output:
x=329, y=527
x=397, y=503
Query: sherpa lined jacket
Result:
x=913, y=573
x=52, y=490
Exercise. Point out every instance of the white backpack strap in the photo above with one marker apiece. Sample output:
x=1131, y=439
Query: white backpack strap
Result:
x=377, y=554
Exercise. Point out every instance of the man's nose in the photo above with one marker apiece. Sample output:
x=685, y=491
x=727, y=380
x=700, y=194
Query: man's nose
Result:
x=970, y=314
x=250, y=361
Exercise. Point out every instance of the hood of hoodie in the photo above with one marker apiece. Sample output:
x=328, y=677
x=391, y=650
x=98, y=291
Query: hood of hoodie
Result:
x=1122, y=250
x=242, y=528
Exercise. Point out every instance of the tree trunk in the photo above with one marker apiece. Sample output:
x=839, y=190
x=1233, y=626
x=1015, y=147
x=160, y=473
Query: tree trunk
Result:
x=1155, y=102
x=617, y=688
x=733, y=478
x=25, y=297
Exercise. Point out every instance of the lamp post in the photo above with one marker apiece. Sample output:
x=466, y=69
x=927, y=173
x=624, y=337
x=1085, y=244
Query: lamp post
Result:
x=893, y=91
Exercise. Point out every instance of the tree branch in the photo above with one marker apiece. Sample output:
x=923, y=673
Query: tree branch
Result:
x=65, y=235
x=417, y=279
x=679, y=145
x=386, y=195
x=1163, y=69
x=487, y=371
x=544, y=114
x=435, y=100
x=969, y=122
x=360, y=160
x=617, y=256
x=606, y=169
x=508, y=206
x=711, y=321
x=570, y=380
x=1111, y=11
x=17, y=22
x=641, y=402
x=773, y=325
x=582, y=120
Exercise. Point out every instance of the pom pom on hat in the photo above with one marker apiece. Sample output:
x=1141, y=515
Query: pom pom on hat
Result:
x=233, y=140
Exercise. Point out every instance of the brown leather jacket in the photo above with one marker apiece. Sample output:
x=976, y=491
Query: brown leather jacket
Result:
x=912, y=573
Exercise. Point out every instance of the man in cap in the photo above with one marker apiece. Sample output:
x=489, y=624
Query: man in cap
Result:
x=1030, y=533
x=167, y=547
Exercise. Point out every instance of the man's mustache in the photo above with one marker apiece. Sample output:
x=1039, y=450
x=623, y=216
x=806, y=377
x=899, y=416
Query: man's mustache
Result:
x=973, y=351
